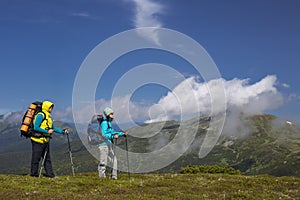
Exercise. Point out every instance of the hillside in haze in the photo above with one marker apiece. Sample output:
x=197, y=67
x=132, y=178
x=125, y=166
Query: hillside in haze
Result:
x=262, y=144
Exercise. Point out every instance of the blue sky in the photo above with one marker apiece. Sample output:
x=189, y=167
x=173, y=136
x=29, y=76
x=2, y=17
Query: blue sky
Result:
x=43, y=44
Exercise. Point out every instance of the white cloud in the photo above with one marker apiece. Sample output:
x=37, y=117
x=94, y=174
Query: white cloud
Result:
x=63, y=114
x=81, y=14
x=146, y=15
x=84, y=15
x=126, y=112
x=255, y=98
x=286, y=85
x=188, y=99
x=293, y=97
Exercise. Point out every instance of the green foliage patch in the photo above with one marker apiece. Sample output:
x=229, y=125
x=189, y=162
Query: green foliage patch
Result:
x=214, y=169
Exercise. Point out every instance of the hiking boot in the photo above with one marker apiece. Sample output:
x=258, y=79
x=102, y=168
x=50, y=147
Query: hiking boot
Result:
x=35, y=176
x=102, y=176
x=51, y=176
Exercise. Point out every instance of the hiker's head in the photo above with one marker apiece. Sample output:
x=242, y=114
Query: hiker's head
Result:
x=108, y=112
x=47, y=106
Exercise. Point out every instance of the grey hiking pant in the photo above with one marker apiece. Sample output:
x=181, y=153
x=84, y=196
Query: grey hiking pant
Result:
x=107, y=156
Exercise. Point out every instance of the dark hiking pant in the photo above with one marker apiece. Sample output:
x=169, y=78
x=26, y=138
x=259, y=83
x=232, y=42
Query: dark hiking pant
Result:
x=38, y=153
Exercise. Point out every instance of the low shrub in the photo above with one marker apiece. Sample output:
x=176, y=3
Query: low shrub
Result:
x=208, y=169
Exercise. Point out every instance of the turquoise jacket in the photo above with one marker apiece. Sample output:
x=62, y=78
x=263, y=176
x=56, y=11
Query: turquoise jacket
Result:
x=108, y=132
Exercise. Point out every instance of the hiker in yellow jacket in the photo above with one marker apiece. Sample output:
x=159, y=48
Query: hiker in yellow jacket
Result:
x=43, y=128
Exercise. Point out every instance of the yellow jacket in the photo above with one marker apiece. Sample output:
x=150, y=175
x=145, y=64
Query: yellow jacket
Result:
x=43, y=122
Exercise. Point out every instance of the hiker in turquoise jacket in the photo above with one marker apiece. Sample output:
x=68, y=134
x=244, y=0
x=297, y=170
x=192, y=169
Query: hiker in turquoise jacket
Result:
x=106, y=148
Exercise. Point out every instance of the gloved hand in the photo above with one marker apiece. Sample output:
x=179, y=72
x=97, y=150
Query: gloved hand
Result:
x=66, y=131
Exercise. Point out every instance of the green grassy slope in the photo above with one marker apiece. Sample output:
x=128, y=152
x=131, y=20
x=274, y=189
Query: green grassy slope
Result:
x=150, y=186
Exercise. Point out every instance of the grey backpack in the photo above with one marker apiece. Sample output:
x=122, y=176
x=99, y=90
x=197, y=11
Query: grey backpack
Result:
x=94, y=130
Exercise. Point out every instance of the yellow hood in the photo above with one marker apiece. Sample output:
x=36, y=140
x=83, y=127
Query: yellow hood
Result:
x=46, y=106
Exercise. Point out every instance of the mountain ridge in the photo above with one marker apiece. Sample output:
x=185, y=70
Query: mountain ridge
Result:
x=265, y=148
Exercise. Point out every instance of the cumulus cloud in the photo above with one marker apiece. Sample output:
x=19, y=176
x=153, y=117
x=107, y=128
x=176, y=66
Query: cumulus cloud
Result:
x=191, y=97
x=255, y=98
x=146, y=15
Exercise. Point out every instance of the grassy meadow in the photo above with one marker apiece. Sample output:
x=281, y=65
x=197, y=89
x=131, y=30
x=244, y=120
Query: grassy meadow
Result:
x=150, y=186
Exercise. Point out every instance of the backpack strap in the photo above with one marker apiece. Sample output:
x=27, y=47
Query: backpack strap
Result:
x=44, y=118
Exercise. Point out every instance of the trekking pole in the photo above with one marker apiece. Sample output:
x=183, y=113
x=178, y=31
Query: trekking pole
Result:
x=115, y=141
x=128, y=172
x=43, y=162
x=70, y=153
